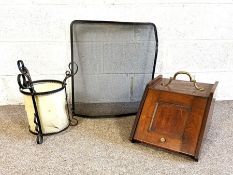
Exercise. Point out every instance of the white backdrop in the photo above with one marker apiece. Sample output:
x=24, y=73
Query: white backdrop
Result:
x=194, y=35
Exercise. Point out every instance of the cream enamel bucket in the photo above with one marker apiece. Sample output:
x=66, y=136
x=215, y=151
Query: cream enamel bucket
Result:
x=50, y=99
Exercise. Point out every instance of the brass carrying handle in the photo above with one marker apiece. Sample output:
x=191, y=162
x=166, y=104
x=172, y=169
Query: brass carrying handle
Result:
x=190, y=78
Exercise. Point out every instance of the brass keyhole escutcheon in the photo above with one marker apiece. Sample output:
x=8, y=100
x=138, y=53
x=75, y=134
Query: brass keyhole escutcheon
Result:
x=162, y=140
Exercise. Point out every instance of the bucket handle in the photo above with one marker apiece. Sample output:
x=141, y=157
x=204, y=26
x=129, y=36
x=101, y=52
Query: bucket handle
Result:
x=24, y=79
x=73, y=69
x=190, y=78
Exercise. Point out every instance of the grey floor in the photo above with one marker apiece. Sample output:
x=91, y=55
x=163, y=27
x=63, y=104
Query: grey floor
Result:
x=101, y=146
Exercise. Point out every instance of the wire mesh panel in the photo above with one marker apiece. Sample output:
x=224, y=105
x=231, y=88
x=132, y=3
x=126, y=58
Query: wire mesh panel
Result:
x=115, y=60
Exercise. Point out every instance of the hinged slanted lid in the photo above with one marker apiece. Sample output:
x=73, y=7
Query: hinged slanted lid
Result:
x=183, y=87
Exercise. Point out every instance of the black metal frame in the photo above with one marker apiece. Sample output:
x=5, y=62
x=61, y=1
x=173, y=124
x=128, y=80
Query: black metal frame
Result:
x=108, y=22
x=47, y=92
x=25, y=82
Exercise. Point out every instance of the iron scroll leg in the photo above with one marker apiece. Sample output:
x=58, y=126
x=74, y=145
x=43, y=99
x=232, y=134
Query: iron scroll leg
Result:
x=73, y=69
x=39, y=138
x=25, y=82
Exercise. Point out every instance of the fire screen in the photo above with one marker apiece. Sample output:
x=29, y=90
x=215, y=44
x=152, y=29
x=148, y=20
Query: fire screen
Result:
x=116, y=60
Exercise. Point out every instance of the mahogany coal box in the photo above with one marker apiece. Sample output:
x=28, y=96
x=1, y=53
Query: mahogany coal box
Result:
x=174, y=114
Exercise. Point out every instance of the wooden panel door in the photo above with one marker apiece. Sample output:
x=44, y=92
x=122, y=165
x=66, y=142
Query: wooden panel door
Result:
x=171, y=121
